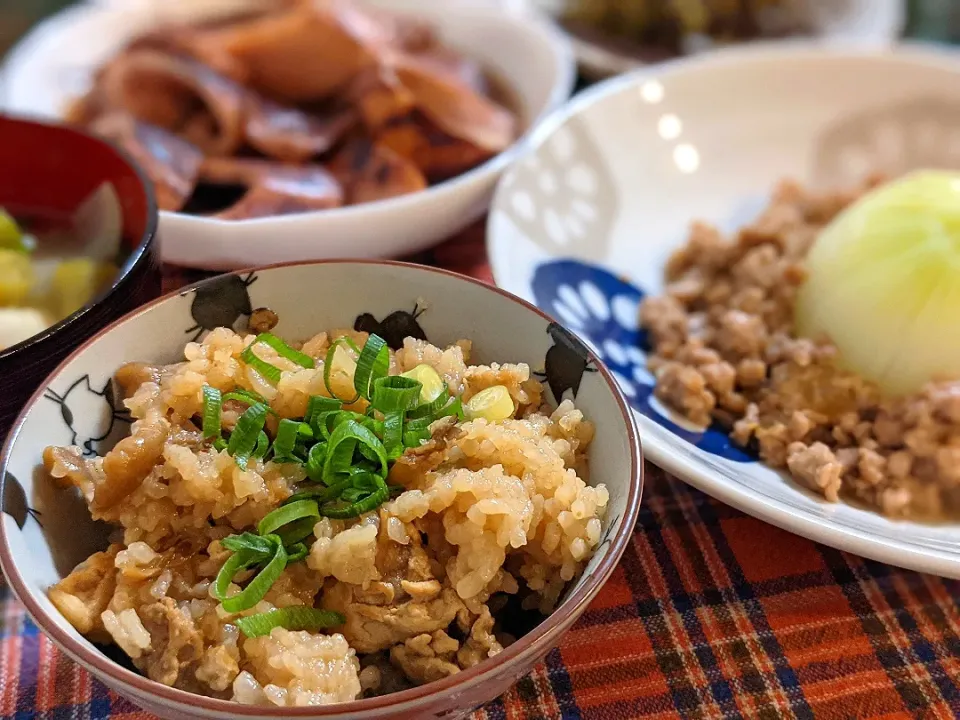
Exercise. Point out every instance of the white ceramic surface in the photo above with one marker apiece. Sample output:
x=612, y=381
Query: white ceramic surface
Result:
x=582, y=227
x=55, y=62
x=74, y=407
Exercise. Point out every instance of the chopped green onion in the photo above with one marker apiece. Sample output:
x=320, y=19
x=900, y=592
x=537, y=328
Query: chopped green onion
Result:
x=263, y=445
x=297, y=552
x=258, y=587
x=240, y=560
x=219, y=444
x=248, y=542
x=328, y=365
x=285, y=351
x=343, y=510
x=321, y=494
x=393, y=435
x=249, y=397
x=297, y=531
x=455, y=407
x=431, y=408
x=318, y=406
x=212, y=404
x=374, y=363
x=341, y=446
x=289, y=618
x=394, y=392
x=415, y=438
x=286, y=514
x=270, y=372
x=288, y=432
x=315, y=459
x=244, y=438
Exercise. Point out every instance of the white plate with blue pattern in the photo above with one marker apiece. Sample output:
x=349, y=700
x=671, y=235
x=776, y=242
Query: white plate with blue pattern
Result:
x=583, y=225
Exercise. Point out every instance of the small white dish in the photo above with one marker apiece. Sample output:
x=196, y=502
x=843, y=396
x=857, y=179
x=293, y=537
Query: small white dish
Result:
x=77, y=405
x=582, y=226
x=55, y=62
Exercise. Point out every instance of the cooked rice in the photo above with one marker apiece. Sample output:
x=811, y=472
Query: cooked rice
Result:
x=489, y=509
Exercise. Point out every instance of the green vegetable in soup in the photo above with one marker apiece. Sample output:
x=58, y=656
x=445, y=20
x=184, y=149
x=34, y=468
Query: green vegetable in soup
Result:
x=12, y=236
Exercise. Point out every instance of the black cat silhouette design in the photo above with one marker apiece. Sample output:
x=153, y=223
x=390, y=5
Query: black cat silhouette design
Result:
x=566, y=362
x=81, y=398
x=15, y=502
x=394, y=328
x=221, y=302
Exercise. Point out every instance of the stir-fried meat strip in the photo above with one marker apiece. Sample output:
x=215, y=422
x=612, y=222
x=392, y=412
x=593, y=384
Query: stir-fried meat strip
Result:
x=438, y=155
x=273, y=188
x=171, y=164
x=178, y=94
x=453, y=107
x=290, y=134
x=277, y=49
x=380, y=97
x=370, y=171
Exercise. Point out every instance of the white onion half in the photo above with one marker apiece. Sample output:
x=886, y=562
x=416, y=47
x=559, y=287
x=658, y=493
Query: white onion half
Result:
x=883, y=283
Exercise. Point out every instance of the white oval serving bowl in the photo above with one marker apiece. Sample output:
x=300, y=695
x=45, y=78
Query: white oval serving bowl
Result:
x=55, y=62
x=72, y=406
x=583, y=226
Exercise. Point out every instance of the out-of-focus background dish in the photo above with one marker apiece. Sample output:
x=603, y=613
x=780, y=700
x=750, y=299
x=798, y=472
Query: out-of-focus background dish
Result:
x=236, y=89
x=584, y=227
x=613, y=36
x=85, y=252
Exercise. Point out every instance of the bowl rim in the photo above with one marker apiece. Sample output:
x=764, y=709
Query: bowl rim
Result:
x=531, y=19
x=538, y=641
x=138, y=254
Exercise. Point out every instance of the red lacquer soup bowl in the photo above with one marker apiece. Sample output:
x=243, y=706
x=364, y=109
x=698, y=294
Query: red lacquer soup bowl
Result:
x=46, y=172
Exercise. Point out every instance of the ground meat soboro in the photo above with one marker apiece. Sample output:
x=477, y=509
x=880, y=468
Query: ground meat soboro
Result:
x=724, y=350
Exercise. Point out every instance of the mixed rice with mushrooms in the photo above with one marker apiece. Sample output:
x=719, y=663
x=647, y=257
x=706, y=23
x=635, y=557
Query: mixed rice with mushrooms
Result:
x=315, y=524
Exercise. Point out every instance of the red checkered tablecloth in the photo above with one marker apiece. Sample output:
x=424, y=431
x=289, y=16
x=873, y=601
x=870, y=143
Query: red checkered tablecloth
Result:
x=711, y=614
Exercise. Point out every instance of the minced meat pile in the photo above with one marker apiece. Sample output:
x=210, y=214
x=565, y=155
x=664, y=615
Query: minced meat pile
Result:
x=724, y=350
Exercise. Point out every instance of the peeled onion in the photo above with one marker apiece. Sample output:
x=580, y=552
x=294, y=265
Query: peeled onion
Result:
x=883, y=283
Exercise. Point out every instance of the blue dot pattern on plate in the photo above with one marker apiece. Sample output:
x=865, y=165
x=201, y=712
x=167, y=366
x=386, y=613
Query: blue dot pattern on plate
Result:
x=602, y=310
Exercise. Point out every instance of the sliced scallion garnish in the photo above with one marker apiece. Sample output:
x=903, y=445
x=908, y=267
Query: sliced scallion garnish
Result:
x=288, y=433
x=248, y=542
x=297, y=531
x=297, y=552
x=431, y=408
x=343, y=442
x=318, y=406
x=393, y=434
x=343, y=509
x=286, y=514
x=270, y=372
x=212, y=405
x=246, y=434
x=395, y=392
x=258, y=587
x=263, y=445
x=285, y=351
x=373, y=363
x=289, y=618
